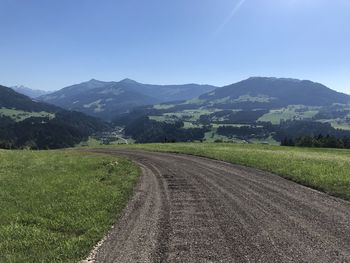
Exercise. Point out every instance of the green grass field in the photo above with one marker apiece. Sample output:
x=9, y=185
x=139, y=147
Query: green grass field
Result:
x=338, y=124
x=56, y=205
x=163, y=106
x=260, y=98
x=323, y=169
x=19, y=115
x=289, y=113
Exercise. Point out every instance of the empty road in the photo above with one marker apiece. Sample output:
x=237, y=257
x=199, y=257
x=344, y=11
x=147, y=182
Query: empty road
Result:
x=192, y=209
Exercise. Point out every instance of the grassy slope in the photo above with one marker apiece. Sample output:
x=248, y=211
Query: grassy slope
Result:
x=19, y=115
x=289, y=113
x=323, y=169
x=55, y=205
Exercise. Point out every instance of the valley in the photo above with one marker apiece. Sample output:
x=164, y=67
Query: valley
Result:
x=79, y=201
x=256, y=110
x=175, y=131
x=247, y=112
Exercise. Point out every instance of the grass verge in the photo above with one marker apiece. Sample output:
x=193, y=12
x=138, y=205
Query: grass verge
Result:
x=327, y=170
x=56, y=205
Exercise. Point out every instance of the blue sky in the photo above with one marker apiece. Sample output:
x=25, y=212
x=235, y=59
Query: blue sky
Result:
x=49, y=44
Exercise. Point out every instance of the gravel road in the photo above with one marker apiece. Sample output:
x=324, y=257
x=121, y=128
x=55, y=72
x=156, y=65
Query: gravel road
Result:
x=192, y=209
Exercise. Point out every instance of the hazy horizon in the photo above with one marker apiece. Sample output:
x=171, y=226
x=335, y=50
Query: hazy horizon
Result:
x=165, y=83
x=51, y=45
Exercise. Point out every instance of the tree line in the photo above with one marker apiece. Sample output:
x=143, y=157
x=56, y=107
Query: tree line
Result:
x=65, y=130
x=320, y=141
x=144, y=130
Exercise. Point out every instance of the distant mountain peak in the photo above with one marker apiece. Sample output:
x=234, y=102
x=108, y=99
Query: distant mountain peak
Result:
x=128, y=81
x=32, y=93
x=19, y=87
x=90, y=84
x=107, y=99
x=284, y=91
x=274, y=79
x=94, y=81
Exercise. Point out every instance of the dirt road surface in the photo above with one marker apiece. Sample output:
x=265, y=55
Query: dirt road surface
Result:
x=192, y=209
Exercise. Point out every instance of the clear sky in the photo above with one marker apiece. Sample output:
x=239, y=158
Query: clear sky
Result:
x=49, y=44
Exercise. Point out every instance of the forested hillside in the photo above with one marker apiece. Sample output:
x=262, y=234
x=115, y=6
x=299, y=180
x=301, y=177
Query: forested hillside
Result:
x=256, y=110
x=25, y=123
x=107, y=99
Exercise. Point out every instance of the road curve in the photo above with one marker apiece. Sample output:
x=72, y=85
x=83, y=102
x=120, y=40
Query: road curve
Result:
x=192, y=209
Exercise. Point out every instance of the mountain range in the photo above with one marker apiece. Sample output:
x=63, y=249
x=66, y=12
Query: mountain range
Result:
x=108, y=99
x=273, y=93
x=32, y=93
x=258, y=108
x=11, y=99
